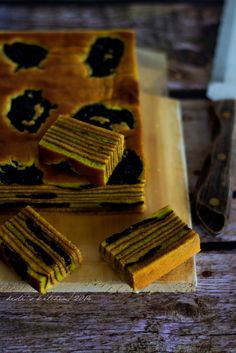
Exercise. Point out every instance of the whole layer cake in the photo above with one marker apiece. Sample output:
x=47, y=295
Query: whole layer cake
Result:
x=90, y=76
x=147, y=250
x=37, y=251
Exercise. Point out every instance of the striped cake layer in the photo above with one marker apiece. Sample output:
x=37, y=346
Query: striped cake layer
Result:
x=92, y=151
x=150, y=248
x=36, y=250
x=103, y=198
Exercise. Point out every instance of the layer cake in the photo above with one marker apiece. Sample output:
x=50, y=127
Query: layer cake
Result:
x=147, y=250
x=90, y=76
x=37, y=251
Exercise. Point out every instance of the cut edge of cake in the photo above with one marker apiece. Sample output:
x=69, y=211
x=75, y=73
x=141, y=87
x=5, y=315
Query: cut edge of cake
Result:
x=92, y=152
x=43, y=259
x=151, y=248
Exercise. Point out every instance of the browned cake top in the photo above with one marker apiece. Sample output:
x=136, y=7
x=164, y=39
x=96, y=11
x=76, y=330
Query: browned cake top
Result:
x=84, y=74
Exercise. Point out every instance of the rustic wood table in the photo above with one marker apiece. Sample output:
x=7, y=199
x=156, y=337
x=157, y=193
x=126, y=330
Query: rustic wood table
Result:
x=200, y=322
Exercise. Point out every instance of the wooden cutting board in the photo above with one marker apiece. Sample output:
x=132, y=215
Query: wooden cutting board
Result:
x=166, y=184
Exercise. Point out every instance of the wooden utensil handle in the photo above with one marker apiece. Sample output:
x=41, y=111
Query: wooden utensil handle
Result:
x=213, y=189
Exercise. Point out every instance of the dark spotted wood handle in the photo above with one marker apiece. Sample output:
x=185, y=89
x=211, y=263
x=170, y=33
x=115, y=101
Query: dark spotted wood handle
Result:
x=213, y=190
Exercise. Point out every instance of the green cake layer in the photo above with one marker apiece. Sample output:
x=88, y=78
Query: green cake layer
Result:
x=102, y=198
x=37, y=251
x=150, y=248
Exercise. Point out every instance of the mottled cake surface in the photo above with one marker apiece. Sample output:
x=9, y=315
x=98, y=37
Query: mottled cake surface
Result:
x=92, y=77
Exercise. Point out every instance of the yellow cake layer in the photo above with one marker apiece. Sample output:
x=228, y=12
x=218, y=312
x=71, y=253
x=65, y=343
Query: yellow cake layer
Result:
x=147, y=250
x=36, y=250
x=93, y=152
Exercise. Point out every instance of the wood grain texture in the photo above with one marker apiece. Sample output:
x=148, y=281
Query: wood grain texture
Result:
x=200, y=322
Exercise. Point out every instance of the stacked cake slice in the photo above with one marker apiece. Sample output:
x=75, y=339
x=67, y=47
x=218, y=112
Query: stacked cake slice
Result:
x=37, y=251
x=93, y=152
x=151, y=248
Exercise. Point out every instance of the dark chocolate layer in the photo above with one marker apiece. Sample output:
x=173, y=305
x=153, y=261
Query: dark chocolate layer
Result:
x=113, y=116
x=104, y=56
x=40, y=234
x=23, y=114
x=25, y=55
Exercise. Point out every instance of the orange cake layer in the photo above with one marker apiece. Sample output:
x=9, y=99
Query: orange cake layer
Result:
x=92, y=53
x=37, y=251
x=147, y=250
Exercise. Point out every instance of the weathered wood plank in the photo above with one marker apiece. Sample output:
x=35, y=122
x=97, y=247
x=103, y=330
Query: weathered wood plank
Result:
x=200, y=322
x=218, y=245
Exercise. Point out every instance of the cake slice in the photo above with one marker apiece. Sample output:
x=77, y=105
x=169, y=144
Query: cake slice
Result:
x=150, y=248
x=92, y=151
x=37, y=251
